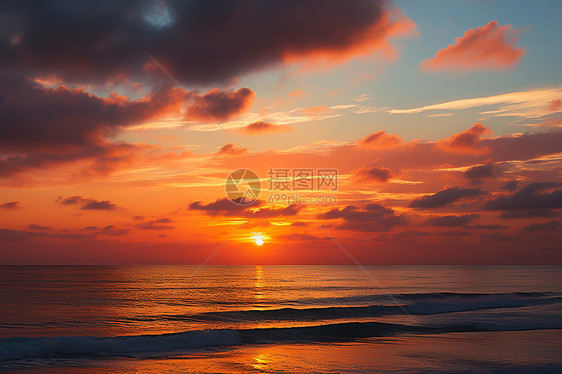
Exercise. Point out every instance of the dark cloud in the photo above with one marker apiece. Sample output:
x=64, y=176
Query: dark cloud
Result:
x=496, y=236
x=445, y=197
x=10, y=205
x=451, y=221
x=510, y=186
x=220, y=105
x=223, y=207
x=199, y=41
x=290, y=210
x=99, y=205
x=524, y=147
x=226, y=207
x=411, y=234
x=42, y=126
x=529, y=213
x=488, y=227
x=534, y=197
x=39, y=118
x=112, y=231
x=371, y=218
x=453, y=233
x=87, y=203
x=7, y=235
x=481, y=171
x=157, y=224
x=375, y=174
x=35, y=226
x=547, y=226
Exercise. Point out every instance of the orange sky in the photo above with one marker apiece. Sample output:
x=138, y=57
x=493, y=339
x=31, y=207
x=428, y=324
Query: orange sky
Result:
x=448, y=154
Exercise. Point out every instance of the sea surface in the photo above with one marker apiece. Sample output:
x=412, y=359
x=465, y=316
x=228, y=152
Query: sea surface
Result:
x=280, y=319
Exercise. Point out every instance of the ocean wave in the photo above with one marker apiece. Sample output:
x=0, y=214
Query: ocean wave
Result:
x=433, y=304
x=405, y=297
x=33, y=350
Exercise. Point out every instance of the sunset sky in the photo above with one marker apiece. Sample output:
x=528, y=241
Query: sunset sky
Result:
x=119, y=125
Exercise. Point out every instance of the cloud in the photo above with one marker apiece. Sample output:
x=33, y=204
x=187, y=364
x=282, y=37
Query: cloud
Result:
x=87, y=204
x=488, y=227
x=199, y=42
x=371, y=218
x=290, y=210
x=377, y=174
x=534, y=197
x=380, y=140
x=157, y=224
x=411, y=234
x=224, y=207
x=482, y=48
x=7, y=235
x=99, y=205
x=529, y=213
x=510, y=186
x=296, y=93
x=445, y=197
x=42, y=126
x=524, y=146
x=481, y=171
x=555, y=105
x=39, y=118
x=35, y=226
x=300, y=237
x=529, y=104
x=261, y=127
x=466, y=141
x=313, y=111
x=453, y=233
x=547, y=226
x=10, y=205
x=232, y=150
x=220, y=105
x=452, y=221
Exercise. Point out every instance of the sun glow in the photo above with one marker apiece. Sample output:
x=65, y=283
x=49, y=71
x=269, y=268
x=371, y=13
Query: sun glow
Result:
x=258, y=239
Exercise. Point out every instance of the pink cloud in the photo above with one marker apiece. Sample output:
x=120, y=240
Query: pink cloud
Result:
x=380, y=140
x=297, y=93
x=260, y=128
x=482, y=48
x=555, y=105
x=232, y=150
x=466, y=141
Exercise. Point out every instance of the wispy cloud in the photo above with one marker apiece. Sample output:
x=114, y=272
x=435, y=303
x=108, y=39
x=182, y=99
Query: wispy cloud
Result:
x=529, y=104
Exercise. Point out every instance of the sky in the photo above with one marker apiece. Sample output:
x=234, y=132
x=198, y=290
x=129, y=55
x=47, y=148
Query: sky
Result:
x=378, y=132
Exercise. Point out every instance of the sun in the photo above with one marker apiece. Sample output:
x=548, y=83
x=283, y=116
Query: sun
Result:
x=258, y=239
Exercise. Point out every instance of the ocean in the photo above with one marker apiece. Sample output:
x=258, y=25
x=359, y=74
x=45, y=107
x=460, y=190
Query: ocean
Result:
x=280, y=319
